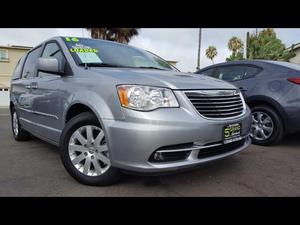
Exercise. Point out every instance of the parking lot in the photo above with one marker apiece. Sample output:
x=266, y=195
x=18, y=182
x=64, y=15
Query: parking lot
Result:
x=34, y=168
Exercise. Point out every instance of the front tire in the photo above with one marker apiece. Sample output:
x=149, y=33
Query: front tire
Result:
x=267, y=127
x=84, y=152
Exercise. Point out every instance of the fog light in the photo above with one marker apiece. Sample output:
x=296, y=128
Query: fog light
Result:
x=159, y=156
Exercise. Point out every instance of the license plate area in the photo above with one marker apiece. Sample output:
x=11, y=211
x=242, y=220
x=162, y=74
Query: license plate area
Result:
x=232, y=133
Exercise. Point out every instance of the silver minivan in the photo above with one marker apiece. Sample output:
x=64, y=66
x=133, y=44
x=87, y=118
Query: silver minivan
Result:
x=111, y=107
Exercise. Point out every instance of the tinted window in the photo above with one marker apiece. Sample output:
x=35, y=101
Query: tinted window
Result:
x=208, y=72
x=18, y=69
x=234, y=73
x=53, y=50
x=30, y=69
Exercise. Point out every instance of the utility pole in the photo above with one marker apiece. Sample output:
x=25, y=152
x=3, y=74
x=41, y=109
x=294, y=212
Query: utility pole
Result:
x=199, y=49
x=245, y=45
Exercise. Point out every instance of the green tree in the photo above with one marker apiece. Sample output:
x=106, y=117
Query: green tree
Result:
x=235, y=45
x=211, y=53
x=266, y=45
x=122, y=35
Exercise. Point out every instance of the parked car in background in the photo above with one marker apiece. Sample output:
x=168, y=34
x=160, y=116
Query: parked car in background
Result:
x=112, y=107
x=272, y=91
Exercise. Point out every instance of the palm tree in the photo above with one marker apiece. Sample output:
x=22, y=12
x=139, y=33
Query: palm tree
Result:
x=235, y=44
x=99, y=33
x=211, y=53
x=122, y=35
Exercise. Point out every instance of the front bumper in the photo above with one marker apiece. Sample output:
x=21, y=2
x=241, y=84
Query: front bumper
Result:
x=134, y=140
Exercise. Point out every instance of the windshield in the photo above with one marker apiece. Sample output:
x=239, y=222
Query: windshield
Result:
x=92, y=52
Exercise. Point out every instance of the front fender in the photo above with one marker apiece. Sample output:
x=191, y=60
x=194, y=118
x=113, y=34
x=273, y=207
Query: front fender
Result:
x=103, y=108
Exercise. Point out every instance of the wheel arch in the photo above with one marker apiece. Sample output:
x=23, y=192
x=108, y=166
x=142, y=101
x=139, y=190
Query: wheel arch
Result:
x=77, y=108
x=90, y=101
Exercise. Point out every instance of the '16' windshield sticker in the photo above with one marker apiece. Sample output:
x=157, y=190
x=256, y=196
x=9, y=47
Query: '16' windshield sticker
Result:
x=74, y=39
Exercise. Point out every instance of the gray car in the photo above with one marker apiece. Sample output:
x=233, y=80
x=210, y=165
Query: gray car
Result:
x=112, y=107
x=272, y=91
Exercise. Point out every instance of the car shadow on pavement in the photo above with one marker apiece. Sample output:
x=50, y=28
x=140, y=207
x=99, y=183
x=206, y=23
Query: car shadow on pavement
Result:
x=291, y=140
x=202, y=172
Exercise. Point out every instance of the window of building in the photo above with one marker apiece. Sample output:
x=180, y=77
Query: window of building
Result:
x=3, y=55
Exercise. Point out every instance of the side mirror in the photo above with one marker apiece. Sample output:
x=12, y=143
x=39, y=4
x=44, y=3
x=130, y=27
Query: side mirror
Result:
x=48, y=65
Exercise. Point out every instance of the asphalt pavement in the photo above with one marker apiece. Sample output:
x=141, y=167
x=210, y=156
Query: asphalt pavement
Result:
x=33, y=168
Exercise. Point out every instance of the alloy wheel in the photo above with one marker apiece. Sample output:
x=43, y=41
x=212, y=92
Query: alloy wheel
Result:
x=262, y=126
x=88, y=151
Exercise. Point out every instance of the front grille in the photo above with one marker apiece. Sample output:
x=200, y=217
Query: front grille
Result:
x=220, y=149
x=217, y=103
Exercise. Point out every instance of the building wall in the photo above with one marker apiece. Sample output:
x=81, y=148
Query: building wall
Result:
x=296, y=59
x=7, y=67
x=4, y=98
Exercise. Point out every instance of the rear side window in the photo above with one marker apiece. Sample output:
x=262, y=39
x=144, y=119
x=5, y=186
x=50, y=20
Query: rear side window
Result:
x=235, y=73
x=30, y=69
x=18, y=69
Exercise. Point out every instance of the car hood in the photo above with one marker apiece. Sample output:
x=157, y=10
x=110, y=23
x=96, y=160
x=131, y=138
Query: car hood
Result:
x=172, y=79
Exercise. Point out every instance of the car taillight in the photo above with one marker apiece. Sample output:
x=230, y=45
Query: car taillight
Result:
x=295, y=80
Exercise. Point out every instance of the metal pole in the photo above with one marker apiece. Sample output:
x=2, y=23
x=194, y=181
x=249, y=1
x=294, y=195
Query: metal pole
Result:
x=199, y=49
x=245, y=45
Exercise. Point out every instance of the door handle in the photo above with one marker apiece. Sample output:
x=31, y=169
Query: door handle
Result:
x=34, y=85
x=31, y=86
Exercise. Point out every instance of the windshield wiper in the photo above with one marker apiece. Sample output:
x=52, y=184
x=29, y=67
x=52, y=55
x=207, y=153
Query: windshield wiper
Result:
x=150, y=67
x=98, y=65
x=113, y=65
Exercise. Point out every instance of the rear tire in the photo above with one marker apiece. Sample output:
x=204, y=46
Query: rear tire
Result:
x=82, y=152
x=18, y=132
x=268, y=114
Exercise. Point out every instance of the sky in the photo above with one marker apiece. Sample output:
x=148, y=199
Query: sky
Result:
x=180, y=44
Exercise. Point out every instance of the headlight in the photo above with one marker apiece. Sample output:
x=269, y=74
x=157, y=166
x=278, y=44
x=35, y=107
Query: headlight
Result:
x=146, y=98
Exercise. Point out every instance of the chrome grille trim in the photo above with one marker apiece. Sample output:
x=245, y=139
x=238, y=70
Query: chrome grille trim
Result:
x=217, y=104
